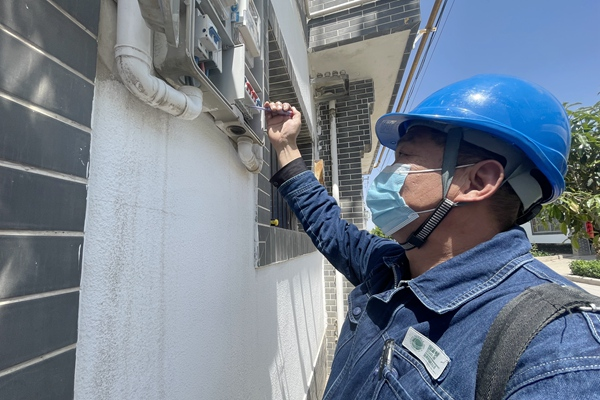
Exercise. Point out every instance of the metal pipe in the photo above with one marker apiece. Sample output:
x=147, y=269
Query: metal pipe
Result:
x=335, y=186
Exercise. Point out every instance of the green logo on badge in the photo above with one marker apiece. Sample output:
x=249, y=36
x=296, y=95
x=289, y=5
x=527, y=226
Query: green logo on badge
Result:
x=417, y=343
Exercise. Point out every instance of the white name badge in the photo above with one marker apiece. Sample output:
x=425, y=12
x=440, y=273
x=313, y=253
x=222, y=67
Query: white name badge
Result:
x=433, y=358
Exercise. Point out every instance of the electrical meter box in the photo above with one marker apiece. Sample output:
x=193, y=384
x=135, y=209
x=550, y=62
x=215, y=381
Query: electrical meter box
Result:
x=207, y=42
x=238, y=82
x=216, y=54
x=248, y=23
x=162, y=16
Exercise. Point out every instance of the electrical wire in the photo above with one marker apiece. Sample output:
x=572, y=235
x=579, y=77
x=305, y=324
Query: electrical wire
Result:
x=426, y=59
x=423, y=60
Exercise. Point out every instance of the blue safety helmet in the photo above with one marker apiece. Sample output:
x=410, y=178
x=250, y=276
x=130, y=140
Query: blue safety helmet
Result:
x=522, y=121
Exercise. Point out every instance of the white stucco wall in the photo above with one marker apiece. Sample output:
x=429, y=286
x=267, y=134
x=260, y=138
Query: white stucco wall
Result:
x=171, y=305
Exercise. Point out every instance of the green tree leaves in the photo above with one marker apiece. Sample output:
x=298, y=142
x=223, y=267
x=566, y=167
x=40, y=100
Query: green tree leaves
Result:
x=581, y=200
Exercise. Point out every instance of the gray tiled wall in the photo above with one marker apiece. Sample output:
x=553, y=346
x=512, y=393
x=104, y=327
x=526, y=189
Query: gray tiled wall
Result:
x=354, y=138
x=362, y=23
x=319, y=5
x=365, y=22
x=275, y=243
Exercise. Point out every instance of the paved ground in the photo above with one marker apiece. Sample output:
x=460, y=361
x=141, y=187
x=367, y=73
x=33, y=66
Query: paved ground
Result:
x=560, y=264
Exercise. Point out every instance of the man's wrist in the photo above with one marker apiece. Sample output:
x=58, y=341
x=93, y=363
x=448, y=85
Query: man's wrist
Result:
x=287, y=154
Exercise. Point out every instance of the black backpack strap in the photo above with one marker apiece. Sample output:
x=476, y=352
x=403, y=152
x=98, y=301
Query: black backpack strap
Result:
x=516, y=325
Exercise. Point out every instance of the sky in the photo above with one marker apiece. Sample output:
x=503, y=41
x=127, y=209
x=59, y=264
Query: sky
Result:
x=554, y=43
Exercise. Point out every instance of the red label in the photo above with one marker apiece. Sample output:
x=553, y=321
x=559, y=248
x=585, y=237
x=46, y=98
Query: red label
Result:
x=589, y=228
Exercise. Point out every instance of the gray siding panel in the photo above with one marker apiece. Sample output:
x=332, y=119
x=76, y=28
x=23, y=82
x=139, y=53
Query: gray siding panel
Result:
x=37, y=202
x=58, y=36
x=34, y=264
x=34, y=139
x=85, y=12
x=31, y=76
x=48, y=53
x=32, y=328
x=51, y=379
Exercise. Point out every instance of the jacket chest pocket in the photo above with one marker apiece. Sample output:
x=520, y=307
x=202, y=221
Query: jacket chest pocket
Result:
x=384, y=386
x=390, y=388
x=399, y=375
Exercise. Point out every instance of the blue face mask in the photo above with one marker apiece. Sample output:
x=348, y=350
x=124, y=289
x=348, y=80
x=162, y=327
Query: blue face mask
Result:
x=389, y=211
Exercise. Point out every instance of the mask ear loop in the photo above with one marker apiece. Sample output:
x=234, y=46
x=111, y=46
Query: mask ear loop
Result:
x=419, y=237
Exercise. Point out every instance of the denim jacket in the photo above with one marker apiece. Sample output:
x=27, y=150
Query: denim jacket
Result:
x=451, y=307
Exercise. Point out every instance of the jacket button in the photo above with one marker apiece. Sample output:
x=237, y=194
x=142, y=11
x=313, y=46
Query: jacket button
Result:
x=356, y=311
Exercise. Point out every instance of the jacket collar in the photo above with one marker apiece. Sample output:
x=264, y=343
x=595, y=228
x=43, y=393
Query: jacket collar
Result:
x=456, y=281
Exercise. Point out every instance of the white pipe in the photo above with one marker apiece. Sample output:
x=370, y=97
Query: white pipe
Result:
x=331, y=10
x=335, y=192
x=335, y=187
x=133, y=54
x=251, y=154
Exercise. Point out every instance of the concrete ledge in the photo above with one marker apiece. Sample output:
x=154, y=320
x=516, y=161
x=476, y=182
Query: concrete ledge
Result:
x=583, y=279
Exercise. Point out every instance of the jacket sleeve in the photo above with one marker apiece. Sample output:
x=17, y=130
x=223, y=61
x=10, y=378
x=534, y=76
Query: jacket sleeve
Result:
x=351, y=251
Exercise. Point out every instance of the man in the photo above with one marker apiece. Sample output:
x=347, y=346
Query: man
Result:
x=473, y=161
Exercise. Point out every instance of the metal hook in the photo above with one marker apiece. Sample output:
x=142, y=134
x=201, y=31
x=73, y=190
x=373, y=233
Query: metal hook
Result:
x=592, y=308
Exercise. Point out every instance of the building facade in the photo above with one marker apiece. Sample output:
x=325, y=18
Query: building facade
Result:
x=143, y=252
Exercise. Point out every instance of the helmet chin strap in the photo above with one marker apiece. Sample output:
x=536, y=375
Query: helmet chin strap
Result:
x=419, y=236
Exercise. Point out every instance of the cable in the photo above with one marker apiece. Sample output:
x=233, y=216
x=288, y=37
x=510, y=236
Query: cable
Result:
x=426, y=59
x=407, y=93
x=422, y=61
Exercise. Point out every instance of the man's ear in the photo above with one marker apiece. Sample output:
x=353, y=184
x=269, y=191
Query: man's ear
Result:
x=483, y=180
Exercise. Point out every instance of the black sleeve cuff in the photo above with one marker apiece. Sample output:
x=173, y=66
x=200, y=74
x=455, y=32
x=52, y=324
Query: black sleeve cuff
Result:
x=289, y=171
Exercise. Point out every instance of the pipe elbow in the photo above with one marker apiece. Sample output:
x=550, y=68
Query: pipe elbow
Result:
x=134, y=65
x=135, y=73
x=193, y=98
x=250, y=154
x=185, y=103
